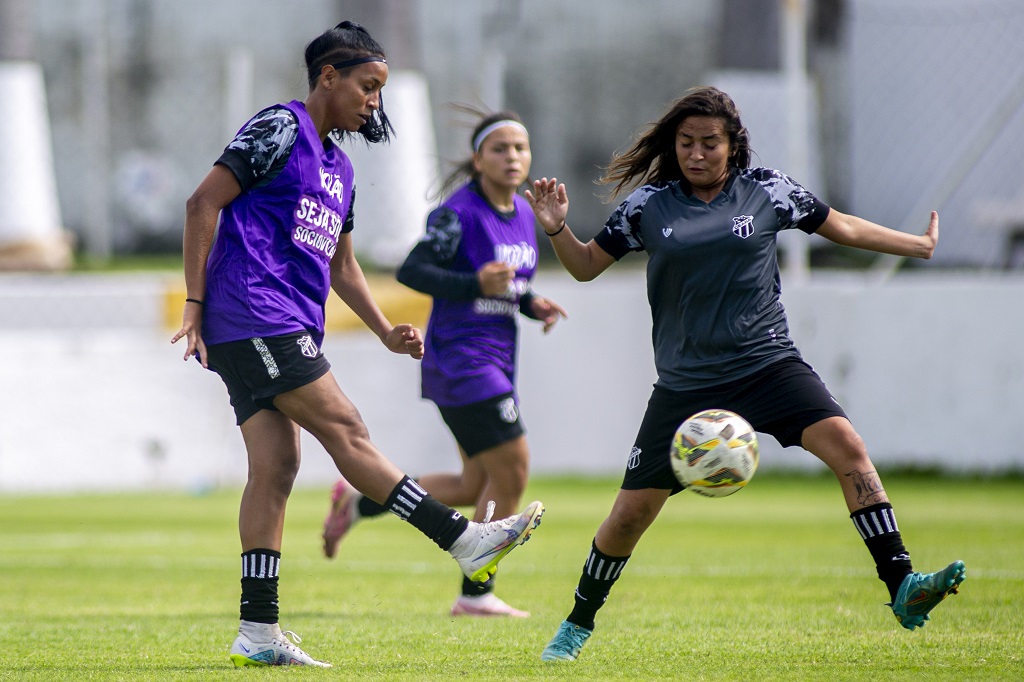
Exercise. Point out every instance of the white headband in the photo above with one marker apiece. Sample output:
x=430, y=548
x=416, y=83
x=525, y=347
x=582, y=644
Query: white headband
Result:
x=482, y=135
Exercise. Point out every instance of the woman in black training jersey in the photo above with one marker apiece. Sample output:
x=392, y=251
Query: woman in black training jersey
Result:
x=709, y=223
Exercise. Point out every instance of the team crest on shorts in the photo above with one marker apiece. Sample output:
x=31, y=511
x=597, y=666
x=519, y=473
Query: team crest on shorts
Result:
x=308, y=346
x=743, y=226
x=507, y=411
x=634, y=458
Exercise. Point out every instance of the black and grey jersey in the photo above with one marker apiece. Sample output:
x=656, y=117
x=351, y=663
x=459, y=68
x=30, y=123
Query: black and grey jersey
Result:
x=713, y=276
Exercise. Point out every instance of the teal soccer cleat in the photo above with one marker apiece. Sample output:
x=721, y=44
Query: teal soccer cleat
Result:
x=567, y=642
x=921, y=592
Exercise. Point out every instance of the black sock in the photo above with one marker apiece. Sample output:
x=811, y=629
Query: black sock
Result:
x=368, y=508
x=474, y=589
x=599, y=574
x=437, y=521
x=259, y=585
x=877, y=527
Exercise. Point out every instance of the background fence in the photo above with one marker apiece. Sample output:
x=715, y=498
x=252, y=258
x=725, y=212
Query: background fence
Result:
x=886, y=110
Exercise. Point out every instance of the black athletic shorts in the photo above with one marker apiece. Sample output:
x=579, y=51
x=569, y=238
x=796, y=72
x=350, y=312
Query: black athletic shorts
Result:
x=484, y=425
x=782, y=400
x=257, y=370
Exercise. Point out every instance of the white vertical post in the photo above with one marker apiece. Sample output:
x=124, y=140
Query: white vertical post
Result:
x=794, y=66
x=238, y=89
x=394, y=181
x=31, y=234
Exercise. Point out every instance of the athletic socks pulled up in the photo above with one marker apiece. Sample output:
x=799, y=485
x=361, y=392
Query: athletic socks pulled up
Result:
x=437, y=521
x=260, y=568
x=599, y=575
x=877, y=527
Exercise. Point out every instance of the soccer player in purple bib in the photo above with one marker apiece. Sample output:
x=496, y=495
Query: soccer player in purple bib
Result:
x=709, y=223
x=254, y=313
x=476, y=260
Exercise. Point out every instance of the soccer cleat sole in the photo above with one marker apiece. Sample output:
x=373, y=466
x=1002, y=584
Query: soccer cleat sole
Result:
x=241, y=661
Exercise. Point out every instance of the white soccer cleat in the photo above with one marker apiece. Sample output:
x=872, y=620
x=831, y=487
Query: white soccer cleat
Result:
x=485, y=605
x=482, y=545
x=279, y=651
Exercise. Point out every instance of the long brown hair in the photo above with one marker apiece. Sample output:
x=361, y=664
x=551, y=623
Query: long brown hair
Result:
x=652, y=156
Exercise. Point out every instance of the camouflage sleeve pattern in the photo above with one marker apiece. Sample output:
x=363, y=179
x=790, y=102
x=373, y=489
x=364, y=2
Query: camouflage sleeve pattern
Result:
x=621, y=233
x=427, y=267
x=795, y=206
x=261, y=149
x=444, y=232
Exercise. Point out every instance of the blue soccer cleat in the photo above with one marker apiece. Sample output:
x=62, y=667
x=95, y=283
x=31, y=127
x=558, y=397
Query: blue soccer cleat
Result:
x=566, y=644
x=919, y=593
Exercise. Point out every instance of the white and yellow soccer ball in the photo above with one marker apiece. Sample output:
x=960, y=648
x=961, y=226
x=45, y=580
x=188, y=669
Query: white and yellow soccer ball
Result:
x=714, y=453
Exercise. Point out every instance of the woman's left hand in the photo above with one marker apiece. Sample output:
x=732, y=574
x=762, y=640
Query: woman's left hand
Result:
x=191, y=329
x=405, y=339
x=547, y=311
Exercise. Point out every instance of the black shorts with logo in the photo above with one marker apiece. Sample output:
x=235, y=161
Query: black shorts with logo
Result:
x=781, y=400
x=259, y=369
x=484, y=425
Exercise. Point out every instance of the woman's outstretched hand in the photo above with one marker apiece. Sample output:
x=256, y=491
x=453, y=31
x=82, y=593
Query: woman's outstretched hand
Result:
x=550, y=203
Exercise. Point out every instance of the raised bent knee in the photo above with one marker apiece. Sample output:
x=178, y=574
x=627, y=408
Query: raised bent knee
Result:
x=629, y=523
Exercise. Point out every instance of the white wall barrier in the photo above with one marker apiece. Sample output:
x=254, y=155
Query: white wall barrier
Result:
x=95, y=398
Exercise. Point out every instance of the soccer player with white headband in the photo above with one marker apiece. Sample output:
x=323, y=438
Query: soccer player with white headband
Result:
x=477, y=260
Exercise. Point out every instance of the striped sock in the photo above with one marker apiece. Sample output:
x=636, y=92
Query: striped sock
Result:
x=439, y=522
x=877, y=527
x=260, y=569
x=599, y=574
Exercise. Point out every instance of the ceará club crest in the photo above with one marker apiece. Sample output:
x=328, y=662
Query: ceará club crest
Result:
x=743, y=226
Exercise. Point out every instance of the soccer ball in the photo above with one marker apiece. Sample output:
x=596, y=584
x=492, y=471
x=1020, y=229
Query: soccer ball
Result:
x=714, y=453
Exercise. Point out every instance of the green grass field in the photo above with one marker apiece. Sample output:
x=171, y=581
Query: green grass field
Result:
x=770, y=584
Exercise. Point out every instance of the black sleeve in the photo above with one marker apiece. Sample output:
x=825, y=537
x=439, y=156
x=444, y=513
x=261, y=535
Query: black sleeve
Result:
x=816, y=219
x=350, y=219
x=427, y=268
x=526, y=305
x=261, y=149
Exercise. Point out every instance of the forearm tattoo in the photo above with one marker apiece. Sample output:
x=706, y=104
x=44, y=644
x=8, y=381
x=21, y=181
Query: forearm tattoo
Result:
x=869, y=487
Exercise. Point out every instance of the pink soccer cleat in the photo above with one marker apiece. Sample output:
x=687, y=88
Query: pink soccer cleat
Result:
x=340, y=518
x=485, y=605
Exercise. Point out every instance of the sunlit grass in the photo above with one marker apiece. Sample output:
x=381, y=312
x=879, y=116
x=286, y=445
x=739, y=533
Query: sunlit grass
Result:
x=770, y=584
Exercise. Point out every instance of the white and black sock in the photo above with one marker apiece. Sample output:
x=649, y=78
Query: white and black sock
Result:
x=599, y=574
x=437, y=521
x=877, y=527
x=260, y=569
